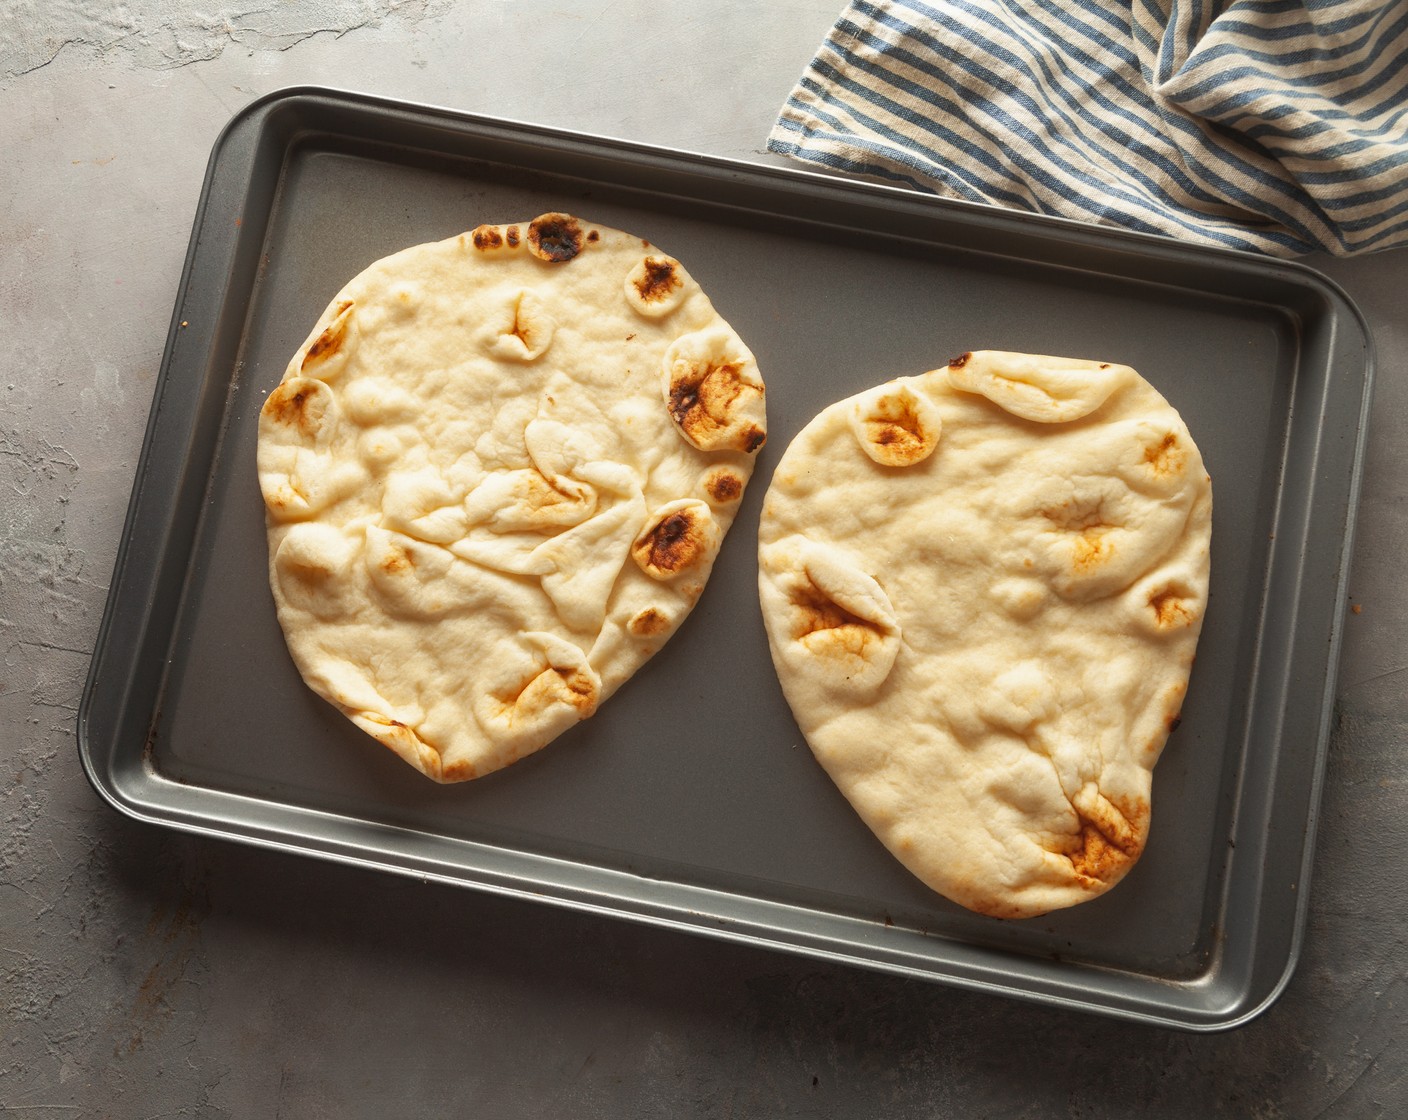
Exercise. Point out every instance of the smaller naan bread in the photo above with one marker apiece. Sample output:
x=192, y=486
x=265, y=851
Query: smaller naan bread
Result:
x=496, y=474
x=983, y=589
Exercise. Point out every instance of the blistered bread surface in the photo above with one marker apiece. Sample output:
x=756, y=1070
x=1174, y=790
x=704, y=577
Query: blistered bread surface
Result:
x=983, y=589
x=497, y=473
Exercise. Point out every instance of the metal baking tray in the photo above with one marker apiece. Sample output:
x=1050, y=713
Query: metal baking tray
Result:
x=195, y=718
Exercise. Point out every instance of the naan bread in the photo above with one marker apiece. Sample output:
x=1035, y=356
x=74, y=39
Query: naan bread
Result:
x=497, y=473
x=983, y=588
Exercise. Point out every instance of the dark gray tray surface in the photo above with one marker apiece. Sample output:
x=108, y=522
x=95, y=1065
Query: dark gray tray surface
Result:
x=691, y=798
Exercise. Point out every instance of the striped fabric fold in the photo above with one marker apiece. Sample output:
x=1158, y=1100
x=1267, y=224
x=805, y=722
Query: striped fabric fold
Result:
x=1277, y=126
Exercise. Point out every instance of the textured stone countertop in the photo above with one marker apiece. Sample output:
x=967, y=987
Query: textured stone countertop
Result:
x=147, y=973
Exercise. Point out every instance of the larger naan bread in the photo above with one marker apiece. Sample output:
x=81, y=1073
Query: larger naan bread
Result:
x=983, y=588
x=497, y=473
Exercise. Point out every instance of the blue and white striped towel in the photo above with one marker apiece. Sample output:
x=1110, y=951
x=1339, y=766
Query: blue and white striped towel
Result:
x=1272, y=125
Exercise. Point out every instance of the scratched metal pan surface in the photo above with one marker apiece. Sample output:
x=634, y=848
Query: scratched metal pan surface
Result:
x=194, y=717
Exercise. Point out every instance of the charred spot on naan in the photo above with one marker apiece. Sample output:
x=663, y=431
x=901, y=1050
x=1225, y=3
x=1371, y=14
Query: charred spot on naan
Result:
x=682, y=536
x=669, y=544
x=298, y=476
x=537, y=685
x=900, y=436
x=895, y=426
x=284, y=498
x=827, y=618
x=1167, y=457
x=659, y=277
x=302, y=407
x=555, y=685
x=1172, y=607
x=1091, y=542
x=328, y=354
x=555, y=238
x=724, y=486
x=713, y=394
x=1110, y=838
x=486, y=238
x=527, y=329
x=1166, y=602
x=1091, y=548
x=701, y=395
x=648, y=623
x=825, y=627
x=656, y=286
x=1097, y=860
x=461, y=770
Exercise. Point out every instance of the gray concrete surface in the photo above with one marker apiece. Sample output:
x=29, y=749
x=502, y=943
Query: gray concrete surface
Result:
x=148, y=974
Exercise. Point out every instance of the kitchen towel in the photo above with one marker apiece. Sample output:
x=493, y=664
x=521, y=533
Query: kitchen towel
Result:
x=1279, y=126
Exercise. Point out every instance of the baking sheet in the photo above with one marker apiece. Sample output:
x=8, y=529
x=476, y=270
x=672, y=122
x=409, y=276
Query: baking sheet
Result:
x=691, y=799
